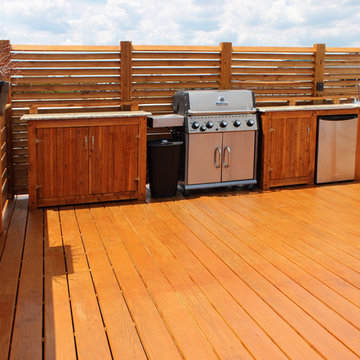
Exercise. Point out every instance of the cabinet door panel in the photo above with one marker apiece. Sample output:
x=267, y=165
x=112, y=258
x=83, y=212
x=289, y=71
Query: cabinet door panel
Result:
x=113, y=158
x=62, y=162
x=201, y=158
x=291, y=147
x=240, y=159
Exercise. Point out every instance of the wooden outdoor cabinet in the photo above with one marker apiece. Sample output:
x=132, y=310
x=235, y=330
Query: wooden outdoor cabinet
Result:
x=83, y=159
x=288, y=148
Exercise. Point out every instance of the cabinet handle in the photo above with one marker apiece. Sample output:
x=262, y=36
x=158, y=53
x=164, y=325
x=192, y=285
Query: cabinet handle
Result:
x=92, y=143
x=226, y=150
x=217, y=159
x=85, y=143
x=308, y=130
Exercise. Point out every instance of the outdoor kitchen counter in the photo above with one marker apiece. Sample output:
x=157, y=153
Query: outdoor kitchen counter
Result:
x=289, y=138
x=86, y=157
x=320, y=107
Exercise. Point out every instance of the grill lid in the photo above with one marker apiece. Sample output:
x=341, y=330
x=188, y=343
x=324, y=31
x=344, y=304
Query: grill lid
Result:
x=213, y=101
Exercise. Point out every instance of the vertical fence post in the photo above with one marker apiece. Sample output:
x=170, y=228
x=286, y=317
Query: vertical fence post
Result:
x=126, y=72
x=225, y=65
x=5, y=59
x=319, y=63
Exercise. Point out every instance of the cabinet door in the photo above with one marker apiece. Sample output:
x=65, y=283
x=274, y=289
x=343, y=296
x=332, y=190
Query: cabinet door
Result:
x=114, y=152
x=238, y=155
x=204, y=158
x=292, y=148
x=62, y=162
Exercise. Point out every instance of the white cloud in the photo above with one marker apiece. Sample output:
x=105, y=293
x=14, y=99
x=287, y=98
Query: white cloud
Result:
x=193, y=22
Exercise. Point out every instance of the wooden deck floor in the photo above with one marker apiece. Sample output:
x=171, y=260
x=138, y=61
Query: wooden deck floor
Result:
x=241, y=275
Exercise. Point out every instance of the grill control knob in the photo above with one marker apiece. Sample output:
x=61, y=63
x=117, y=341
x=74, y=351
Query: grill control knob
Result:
x=195, y=125
x=209, y=124
x=223, y=123
x=237, y=123
x=202, y=128
x=250, y=122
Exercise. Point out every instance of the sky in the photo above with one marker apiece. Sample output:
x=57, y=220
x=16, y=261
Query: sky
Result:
x=181, y=22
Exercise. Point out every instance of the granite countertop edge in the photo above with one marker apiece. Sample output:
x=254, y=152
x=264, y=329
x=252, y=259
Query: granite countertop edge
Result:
x=308, y=107
x=82, y=115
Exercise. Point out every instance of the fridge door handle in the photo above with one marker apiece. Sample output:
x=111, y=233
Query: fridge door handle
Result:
x=228, y=151
x=217, y=157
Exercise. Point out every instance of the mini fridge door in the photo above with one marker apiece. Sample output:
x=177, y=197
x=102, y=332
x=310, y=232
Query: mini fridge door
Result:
x=336, y=148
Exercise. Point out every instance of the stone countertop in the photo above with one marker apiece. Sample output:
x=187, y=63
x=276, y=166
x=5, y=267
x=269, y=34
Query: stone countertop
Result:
x=84, y=115
x=309, y=107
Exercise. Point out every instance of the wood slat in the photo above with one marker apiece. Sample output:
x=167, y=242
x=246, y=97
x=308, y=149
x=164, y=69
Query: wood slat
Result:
x=338, y=70
x=123, y=336
x=343, y=50
x=276, y=56
x=65, y=48
x=9, y=273
x=272, y=70
x=7, y=214
x=251, y=335
x=182, y=70
x=174, y=55
x=63, y=95
x=307, y=327
x=332, y=76
x=175, y=48
x=28, y=326
x=46, y=72
x=61, y=88
x=65, y=64
x=182, y=85
x=282, y=63
x=162, y=63
x=157, y=341
x=279, y=77
x=348, y=57
x=272, y=49
x=354, y=63
x=70, y=56
x=174, y=78
x=50, y=80
x=281, y=255
x=277, y=84
x=292, y=345
x=90, y=335
x=65, y=103
x=287, y=92
x=138, y=94
x=222, y=339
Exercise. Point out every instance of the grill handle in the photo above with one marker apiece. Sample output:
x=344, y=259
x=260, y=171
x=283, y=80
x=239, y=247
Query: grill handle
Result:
x=217, y=157
x=226, y=150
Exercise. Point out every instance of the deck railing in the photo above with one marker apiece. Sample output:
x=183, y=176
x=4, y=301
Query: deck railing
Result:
x=99, y=78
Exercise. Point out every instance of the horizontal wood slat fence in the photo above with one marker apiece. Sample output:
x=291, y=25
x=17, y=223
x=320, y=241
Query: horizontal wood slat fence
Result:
x=98, y=78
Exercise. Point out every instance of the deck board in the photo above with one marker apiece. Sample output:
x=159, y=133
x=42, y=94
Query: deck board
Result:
x=90, y=334
x=27, y=331
x=59, y=342
x=153, y=331
x=10, y=267
x=227, y=275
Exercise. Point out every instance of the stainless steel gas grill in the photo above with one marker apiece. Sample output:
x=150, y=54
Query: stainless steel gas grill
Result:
x=221, y=137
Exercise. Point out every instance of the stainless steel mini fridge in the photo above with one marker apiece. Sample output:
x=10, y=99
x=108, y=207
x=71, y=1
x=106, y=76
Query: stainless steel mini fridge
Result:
x=336, y=148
